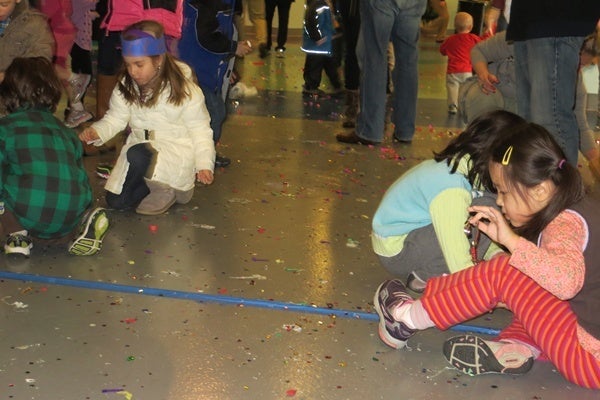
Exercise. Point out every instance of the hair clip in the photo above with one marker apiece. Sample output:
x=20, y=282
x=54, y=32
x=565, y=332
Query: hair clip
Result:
x=561, y=163
x=506, y=156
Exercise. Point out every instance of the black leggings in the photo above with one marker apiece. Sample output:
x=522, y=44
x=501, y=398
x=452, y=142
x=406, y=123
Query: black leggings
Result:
x=142, y=158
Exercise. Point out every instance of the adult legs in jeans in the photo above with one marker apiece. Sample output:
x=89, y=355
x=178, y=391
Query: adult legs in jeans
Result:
x=383, y=21
x=405, y=38
x=141, y=158
x=546, y=81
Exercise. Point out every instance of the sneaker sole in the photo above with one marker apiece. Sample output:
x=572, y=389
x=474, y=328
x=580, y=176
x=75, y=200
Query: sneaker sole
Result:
x=26, y=251
x=472, y=356
x=83, y=246
x=383, y=332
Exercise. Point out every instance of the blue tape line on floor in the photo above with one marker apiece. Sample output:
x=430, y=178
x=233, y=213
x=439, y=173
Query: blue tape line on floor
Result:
x=203, y=297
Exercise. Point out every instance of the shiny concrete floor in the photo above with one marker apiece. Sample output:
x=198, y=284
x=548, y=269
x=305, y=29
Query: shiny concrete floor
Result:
x=227, y=297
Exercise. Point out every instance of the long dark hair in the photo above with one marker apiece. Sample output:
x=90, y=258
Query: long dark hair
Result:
x=530, y=156
x=169, y=74
x=30, y=83
x=477, y=141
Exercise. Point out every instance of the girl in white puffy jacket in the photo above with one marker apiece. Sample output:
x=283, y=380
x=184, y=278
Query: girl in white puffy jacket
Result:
x=171, y=142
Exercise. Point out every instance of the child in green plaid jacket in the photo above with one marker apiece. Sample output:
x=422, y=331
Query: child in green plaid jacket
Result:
x=44, y=190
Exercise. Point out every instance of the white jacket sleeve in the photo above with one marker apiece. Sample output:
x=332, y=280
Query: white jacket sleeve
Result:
x=197, y=120
x=116, y=118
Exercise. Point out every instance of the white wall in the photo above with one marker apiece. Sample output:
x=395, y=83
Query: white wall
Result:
x=297, y=13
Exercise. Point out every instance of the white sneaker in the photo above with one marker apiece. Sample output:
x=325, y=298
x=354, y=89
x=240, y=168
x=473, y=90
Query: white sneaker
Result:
x=79, y=84
x=241, y=90
x=77, y=117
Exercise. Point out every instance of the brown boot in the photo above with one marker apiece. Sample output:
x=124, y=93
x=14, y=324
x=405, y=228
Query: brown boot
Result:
x=104, y=88
x=351, y=109
x=160, y=199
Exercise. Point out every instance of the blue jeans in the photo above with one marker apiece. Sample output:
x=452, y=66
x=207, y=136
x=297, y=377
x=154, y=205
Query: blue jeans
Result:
x=216, y=109
x=546, y=82
x=382, y=22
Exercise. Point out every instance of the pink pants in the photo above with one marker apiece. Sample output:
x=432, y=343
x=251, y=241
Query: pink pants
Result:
x=540, y=319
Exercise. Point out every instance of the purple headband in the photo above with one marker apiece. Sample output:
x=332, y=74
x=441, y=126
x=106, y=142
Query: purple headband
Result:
x=144, y=45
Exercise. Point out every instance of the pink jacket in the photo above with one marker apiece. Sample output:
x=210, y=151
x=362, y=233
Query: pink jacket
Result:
x=59, y=16
x=122, y=13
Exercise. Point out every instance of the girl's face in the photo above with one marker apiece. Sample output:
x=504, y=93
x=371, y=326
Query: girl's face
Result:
x=518, y=208
x=6, y=8
x=142, y=69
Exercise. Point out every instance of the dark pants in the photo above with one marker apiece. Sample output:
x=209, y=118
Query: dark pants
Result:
x=216, y=109
x=81, y=60
x=109, y=53
x=313, y=68
x=422, y=252
x=141, y=158
x=283, y=11
x=351, y=21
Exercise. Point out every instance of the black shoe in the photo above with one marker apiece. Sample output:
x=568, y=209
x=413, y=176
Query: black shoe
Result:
x=312, y=92
x=221, y=161
x=403, y=141
x=416, y=284
x=263, y=50
x=353, y=138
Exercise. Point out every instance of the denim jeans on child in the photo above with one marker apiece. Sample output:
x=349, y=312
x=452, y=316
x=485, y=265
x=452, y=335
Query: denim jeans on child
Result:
x=382, y=22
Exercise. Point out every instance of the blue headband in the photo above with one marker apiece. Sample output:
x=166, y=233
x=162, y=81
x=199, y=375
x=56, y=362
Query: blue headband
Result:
x=144, y=45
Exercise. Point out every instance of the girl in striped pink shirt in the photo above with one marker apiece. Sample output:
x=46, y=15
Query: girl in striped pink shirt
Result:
x=550, y=280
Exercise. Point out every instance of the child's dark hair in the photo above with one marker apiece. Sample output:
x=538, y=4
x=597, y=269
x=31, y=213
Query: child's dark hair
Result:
x=30, y=83
x=529, y=156
x=477, y=141
x=169, y=73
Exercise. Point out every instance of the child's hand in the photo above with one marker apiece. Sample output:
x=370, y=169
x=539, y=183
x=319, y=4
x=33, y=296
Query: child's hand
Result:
x=490, y=221
x=488, y=83
x=89, y=135
x=243, y=48
x=205, y=176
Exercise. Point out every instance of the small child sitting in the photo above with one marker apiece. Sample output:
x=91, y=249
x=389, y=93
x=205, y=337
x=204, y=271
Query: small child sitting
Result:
x=43, y=186
x=458, y=49
x=320, y=43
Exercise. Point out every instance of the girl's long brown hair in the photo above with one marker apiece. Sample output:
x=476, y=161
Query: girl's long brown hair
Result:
x=169, y=76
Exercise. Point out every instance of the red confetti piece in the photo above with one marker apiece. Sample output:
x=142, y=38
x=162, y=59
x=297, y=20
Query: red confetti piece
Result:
x=290, y=392
x=129, y=320
x=153, y=228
